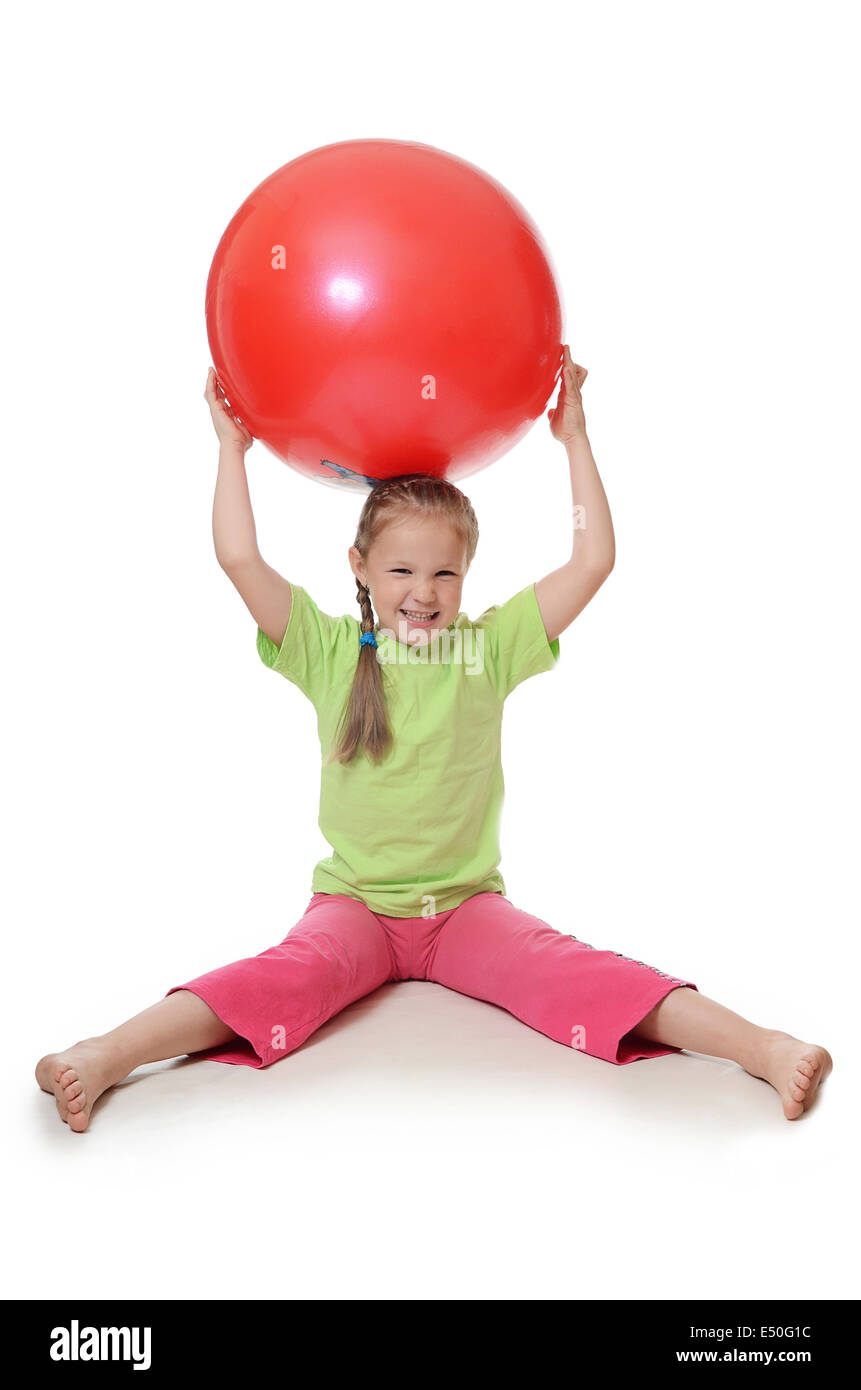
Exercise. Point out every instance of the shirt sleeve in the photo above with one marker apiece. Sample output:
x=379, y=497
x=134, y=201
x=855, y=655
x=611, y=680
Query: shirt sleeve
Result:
x=516, y=644
x=314, y=647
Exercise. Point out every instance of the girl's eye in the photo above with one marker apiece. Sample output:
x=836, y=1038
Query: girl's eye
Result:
x=404, y=571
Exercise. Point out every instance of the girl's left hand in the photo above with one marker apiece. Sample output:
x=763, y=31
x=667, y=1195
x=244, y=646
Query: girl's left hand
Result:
x=567, y=418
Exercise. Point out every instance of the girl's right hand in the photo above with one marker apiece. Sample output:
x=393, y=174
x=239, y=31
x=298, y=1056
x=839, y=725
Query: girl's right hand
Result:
x=227, y=427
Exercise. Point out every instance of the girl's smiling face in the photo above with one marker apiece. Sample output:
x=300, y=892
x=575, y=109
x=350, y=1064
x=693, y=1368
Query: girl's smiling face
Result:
x=415, y=567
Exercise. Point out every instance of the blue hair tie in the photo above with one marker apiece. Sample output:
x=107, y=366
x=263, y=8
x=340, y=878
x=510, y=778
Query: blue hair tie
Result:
x=369, y=638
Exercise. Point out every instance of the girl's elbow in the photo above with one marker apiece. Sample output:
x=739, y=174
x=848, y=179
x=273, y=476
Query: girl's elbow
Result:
x=603, y=563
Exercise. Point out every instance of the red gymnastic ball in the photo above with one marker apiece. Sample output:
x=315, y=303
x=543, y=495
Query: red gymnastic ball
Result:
x=378, y=307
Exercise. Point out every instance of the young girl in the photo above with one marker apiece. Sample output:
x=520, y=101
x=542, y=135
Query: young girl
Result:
x=409, y=713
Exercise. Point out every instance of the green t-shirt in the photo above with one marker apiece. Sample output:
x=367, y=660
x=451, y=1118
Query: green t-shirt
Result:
x=417, y=833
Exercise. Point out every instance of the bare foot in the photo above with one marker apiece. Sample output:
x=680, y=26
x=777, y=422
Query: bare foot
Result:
x=794, y=1068
x=77, y=1077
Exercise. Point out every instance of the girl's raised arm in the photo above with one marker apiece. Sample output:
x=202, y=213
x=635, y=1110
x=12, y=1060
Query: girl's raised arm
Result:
x=265, y=593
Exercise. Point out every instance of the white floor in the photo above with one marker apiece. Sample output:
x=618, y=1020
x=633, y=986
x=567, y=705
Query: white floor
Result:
x=427, y=1145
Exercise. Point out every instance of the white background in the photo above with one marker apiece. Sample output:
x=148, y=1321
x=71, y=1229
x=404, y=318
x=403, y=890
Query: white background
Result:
x=682, y=788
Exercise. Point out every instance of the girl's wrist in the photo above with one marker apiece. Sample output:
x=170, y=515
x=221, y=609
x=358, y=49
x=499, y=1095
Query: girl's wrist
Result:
x=579, y=436
x=230, y=450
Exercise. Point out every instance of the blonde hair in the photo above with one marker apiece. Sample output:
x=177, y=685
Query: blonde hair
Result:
x=364, y=721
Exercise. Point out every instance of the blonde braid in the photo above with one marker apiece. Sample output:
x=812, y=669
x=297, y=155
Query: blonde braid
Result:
x=363, y=598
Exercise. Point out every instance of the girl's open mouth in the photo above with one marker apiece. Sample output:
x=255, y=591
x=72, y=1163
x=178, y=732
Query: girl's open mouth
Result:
x=419, y=619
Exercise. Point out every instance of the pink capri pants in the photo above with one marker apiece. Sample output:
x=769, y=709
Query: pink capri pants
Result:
x=485, y=947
